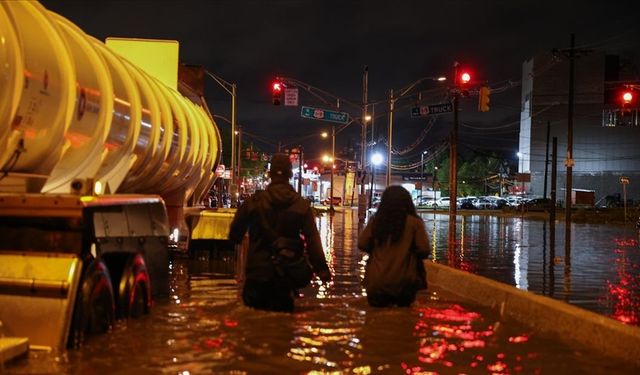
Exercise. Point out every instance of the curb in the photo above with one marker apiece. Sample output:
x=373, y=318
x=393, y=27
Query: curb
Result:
x=570, y=324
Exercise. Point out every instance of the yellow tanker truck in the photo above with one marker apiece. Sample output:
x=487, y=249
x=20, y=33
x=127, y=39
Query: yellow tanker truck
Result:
x=99, y=163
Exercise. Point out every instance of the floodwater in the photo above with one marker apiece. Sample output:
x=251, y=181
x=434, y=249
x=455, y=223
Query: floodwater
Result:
x=202, y=327
x=601, y=272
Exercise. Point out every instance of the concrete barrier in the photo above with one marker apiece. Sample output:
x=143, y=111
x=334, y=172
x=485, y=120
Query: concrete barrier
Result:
x=570, y=324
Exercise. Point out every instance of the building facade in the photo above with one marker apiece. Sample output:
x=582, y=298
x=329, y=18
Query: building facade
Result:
x=606, y=145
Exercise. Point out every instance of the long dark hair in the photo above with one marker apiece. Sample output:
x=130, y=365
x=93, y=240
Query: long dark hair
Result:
x=389, y=220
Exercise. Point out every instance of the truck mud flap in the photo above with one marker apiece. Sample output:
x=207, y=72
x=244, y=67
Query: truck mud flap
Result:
x=37, y=295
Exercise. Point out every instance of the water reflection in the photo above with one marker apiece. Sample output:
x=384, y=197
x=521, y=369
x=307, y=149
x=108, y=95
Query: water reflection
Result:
x=204, y=328
x=624, y=296
x=603, y=274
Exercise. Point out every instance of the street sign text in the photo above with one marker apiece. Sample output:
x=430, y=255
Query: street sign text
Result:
x=324, y=115
x=433, y=109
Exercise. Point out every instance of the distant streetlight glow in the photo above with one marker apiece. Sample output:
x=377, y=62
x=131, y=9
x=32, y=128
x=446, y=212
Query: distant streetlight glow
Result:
x=441, y=79
x=376, y=159
x=324, y=134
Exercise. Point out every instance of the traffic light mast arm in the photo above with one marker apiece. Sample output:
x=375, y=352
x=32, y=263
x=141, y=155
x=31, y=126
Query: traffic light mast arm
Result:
x=318, y=93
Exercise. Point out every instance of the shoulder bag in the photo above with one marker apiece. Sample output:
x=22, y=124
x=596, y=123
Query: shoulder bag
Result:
x=288, y=255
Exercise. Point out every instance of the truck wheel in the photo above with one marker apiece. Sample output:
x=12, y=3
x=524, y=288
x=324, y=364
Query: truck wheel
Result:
x=94, y=310
x=134, y=289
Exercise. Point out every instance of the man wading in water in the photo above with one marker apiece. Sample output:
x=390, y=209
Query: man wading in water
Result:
x=280, y=212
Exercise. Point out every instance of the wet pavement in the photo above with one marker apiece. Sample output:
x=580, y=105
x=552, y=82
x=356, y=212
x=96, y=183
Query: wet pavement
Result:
x=203, y=328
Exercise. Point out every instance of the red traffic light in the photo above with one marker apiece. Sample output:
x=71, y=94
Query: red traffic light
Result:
x=276, y=90
x=465, y=77
x=627, y=97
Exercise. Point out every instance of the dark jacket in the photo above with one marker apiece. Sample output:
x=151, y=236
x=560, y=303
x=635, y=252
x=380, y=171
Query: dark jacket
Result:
x=392, y=268
x=290, y=216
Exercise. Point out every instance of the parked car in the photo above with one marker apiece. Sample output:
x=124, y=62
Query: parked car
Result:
x=482, y=203
x=497, y=203
x=513, y=201
x=466, y=203
x=424, y=202
x=442, y=202
x=535, y=204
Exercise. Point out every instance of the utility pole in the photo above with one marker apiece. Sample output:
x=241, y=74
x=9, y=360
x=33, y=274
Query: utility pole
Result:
x=333, y=160
x=362, y=198
x=300, y=161
x=570, y=161
x=453, y=156
x=546, y=161
x=390, y=137
x=552, y=212
x=233, y=188
x=239, y=154
x=363, y=148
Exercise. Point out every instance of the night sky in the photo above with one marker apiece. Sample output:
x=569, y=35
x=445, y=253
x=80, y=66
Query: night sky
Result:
x=327, y=44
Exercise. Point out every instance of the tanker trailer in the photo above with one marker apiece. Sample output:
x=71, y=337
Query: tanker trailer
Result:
x=99, y=162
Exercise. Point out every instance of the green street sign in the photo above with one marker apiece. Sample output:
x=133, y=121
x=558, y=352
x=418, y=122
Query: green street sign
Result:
x=324, y=115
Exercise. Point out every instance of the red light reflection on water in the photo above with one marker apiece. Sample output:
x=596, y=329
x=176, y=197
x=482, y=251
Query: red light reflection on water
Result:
x=213, y=342
x=455, y=313
x=624, y=295
x=454, y=337
x=231, y=323
x=626, y=242
x=519, y=339
x=445, y=331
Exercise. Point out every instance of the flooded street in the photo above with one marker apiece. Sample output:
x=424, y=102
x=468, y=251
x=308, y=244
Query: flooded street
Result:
x=601, y=273
x=203, y=328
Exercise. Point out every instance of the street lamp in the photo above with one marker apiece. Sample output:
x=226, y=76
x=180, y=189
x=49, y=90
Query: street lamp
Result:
x=401, y=94
x=376, y=159
x=231, y=89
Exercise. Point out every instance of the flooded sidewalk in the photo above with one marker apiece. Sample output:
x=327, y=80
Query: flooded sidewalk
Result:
x=203, y=328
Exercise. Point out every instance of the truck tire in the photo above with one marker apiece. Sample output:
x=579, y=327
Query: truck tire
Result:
x=94, y=310
x=134, y=289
